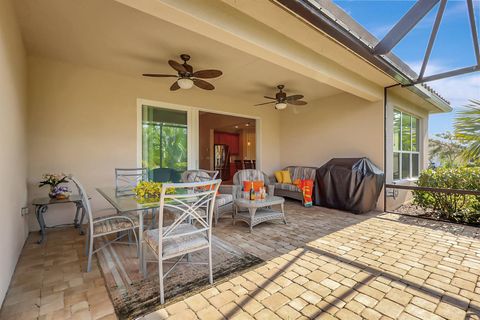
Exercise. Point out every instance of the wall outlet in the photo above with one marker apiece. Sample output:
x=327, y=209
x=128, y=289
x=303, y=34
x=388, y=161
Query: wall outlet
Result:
x=24, y=211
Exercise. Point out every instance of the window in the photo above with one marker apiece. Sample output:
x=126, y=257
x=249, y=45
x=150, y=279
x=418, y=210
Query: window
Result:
x=164, y=140
x=406, y=150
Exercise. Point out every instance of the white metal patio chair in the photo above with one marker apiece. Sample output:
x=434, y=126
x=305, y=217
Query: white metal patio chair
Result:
x=127, y=178
x=199, y=175
x=105, y=225
x=190, y=231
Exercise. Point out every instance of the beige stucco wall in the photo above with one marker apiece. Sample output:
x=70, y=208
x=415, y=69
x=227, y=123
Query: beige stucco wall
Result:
x=334, y=127
x=13, y=159
x=83, y=121
x=339, y=126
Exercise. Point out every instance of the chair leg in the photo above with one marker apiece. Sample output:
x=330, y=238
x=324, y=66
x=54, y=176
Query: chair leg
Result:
x=87, y=240
x=136, y=242
x=160, y=277
x=210, y=274
x=90, y=253
x=144, y=263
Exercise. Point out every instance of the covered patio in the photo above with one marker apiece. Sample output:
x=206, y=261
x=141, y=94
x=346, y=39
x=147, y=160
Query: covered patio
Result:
x=324, y=264
x=78, y=104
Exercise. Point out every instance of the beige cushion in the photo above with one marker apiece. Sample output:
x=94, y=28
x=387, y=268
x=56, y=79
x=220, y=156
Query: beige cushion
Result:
x=114, y=223
x=286, y=186
x=178, y=245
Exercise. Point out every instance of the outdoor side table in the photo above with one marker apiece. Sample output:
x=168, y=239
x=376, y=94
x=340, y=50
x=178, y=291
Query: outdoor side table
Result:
x=41, y=207
x=259, y=210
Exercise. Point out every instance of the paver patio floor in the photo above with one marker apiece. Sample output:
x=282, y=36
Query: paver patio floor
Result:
x=323, y=264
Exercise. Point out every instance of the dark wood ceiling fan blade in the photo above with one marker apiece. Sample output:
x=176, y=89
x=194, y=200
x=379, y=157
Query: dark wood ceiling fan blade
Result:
x=159, y=75
x=261, y=104
x=269, y=98
x=207, y=74
x=202, y=84
x=294, y=97
x=174, y=86
x=177, y=66
x=188, y=67
x=297, y=102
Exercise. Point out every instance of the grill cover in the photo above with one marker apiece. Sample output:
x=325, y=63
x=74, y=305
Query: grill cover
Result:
x=351, y=184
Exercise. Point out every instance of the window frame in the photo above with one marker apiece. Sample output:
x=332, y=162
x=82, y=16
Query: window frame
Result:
x=401, y=152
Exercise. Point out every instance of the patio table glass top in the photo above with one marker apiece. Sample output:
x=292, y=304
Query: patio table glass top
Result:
x=124, y=201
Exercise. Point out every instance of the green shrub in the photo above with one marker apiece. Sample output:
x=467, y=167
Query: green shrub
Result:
x=454, y=207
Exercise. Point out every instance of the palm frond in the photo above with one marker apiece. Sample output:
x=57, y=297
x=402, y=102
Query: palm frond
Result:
x=467, y=129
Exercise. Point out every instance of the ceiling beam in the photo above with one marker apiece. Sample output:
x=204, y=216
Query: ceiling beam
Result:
x=403, y=27
x=471, y=15
x=433, y=35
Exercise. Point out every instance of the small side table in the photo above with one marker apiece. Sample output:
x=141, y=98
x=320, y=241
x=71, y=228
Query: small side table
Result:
x=41, y=207
x=259, y=210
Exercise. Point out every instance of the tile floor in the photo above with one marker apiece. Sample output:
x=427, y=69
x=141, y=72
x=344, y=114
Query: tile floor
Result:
x=324, y=264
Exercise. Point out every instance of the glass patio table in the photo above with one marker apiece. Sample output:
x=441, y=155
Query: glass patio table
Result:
x=123, y=202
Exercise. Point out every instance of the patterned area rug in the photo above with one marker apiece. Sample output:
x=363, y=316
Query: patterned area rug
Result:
x=134, y=296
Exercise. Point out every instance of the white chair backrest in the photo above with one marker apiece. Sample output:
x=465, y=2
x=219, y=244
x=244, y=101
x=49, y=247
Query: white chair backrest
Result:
x=194, y=201
x=127, y=178
x=85, y=201
x=198, y=175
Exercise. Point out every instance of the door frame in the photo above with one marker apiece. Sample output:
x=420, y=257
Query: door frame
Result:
x=193, y=129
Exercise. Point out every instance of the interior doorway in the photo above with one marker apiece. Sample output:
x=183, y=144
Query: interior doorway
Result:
x=226, y=143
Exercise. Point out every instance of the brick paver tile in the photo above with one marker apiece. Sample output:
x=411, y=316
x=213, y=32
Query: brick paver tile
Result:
x=222, y=298
x=399, y=296
x=365, y=300
x=389, y=308
x=186, y=314
x=176, y=307
x=421, y=313
x=266, y=314
x=371, y=314
x=197, y=302
x=209, y=313
x=287, y=312
x=249, y=304
x=293, y=290
x=345, y=314
x=275, y=301
x=450, y=312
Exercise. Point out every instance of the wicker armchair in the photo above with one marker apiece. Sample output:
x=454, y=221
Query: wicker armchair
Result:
x=250, y=175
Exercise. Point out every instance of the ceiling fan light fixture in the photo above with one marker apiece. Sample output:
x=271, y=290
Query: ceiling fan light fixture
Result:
x=280, y=105
x=185, y=83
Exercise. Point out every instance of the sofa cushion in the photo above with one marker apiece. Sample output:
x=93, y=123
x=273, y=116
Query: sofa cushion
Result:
x=287, y=186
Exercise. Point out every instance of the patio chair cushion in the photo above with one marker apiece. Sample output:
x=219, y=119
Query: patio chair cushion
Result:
x=178, y=245
x=114, y=222
x=223, y=199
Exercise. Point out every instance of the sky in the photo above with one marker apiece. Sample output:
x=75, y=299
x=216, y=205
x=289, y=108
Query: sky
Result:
x=453, y=47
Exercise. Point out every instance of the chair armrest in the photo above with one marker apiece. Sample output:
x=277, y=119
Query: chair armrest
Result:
x=236, y=191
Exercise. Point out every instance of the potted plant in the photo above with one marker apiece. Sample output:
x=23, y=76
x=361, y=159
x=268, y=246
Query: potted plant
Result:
x=149, y=192
x=54, y=180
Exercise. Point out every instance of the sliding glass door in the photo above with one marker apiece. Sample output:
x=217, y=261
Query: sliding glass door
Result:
x=164, y=142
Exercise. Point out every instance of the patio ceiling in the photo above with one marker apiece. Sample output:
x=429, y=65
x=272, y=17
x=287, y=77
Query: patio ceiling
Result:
x=110, y=36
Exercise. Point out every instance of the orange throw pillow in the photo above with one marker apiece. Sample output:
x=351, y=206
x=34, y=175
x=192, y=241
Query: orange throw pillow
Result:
x=247, y=185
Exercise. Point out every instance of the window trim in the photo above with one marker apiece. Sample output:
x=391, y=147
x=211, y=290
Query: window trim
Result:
x=410, y=153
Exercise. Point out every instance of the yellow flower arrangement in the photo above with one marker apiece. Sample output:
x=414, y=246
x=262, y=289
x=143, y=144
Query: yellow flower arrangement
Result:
x=147, y=191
